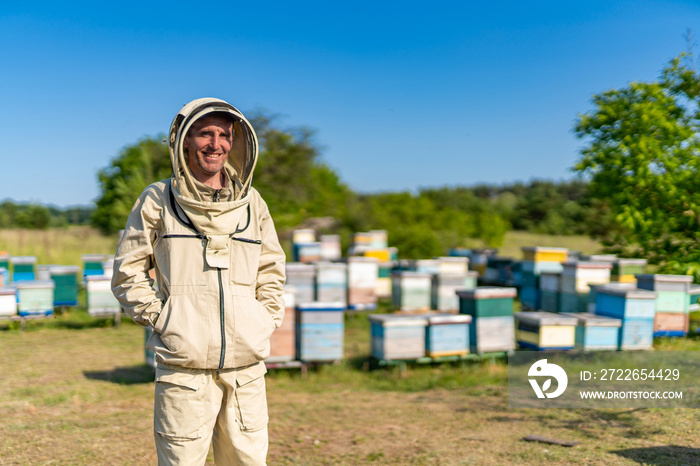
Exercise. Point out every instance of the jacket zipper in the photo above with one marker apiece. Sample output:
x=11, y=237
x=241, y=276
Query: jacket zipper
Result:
x=216, y=198
x=246, y=240
x=183, y=236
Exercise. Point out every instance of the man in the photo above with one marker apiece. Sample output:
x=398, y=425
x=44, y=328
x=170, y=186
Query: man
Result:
x=219, y=272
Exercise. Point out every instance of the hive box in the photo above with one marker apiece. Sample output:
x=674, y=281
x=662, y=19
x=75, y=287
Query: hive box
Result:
x=383, y=288
x=282, y=346
x=549, y=291
x=100, y=300
x=447, y=335
x=411, y=290
x=330, y=247
x=636, y=308
x=362, y=283
x=23, y=268
x=576, y=279
x=450, y=265
x=671, y=324
x=545, y=331
x=35, y=297
x=8, y=302
x=444, y=289
x=93, y=264
x=303, y=278
x=544, y=254
x=307, y=252
x=693, y=298
x=397, y=336
x=331, y=282
x=493, y=326
x=595, y=333
x=319, y=331
x=671, y=290
x=65, y=277
x=624, y=270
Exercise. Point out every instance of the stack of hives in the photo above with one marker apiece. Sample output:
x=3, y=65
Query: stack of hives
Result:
x=331, y=282
x=575, y=282
x=671, y=318
x=330, y=248
x=492, y=327
x=305, y=247
x=535, y=261
x=411, y=290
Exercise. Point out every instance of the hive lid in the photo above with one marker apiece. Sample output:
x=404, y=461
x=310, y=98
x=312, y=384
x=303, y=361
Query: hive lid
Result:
x=93, y=257
x=64, y=269
x=587, y=265
x=657, y=277
x=23, y=260
x=98, y=278
x=485, y=292
x=628, y=293
x=623, y=261
x=29, y=284
x=588, y=319
x=321, y=306
x=544, y=318
x=399, y=320
x=441, y=319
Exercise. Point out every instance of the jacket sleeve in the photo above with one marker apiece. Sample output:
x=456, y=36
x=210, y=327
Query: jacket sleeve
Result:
x=271, y=270
x=133, y=260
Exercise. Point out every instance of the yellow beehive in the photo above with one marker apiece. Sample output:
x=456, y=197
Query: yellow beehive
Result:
x=544, y=254
x=382, y=255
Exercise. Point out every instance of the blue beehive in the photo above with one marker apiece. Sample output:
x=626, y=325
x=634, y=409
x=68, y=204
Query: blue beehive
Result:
x=447, y=335
x=397, y=336
x=594, y=332
x=319, y=329
x=636, y=308
x=23, y=268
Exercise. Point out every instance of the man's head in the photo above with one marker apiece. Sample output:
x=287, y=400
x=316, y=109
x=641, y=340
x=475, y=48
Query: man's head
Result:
x=208, y=143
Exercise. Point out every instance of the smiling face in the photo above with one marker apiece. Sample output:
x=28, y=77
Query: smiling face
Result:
x=208, y=143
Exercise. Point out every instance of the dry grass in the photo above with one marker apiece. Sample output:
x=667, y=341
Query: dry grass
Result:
x=62, y=246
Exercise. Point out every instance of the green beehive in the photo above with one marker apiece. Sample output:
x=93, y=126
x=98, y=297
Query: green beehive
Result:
x=487, y=301
x=66, y=280
x=92, y=264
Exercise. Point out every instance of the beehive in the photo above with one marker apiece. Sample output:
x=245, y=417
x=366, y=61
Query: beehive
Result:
x=8, y=302
x=282, y=346
x=636, y=308
x=499, y=271
x=624, y=270
x=35, y=297
x=331, y=282
x=382, y=255
x=411, y=290
x=4, y=277
x=307, y=252
x=492, y=328
x=65, y=277
x=23, y=268
x=383, y=288
x=430, y=266
x=576, y=279
x=693, y=298
x=444, y=289
x=595, y=332
x=319, y=331
x=545, y=254
x=100, y=300
x=671, y=290
x=397, y=336
x=93, y=264
x=447, y=335
x=362, y=283
x=108, y=266
x=303, y=278
x=452, y=265
x=330, y=248
x=303, y=236
x=549, y=291
x=541, y=331
x=378, y=239
x=5, y=261
x=671, y=324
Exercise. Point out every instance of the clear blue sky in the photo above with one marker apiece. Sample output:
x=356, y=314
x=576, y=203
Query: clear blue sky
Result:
x=402, y=95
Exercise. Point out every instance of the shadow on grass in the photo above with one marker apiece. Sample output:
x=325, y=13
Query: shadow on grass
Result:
x=664, y=455
x=142, y=373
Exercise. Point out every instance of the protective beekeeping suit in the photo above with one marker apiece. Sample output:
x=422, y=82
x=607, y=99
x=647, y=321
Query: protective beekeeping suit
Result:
x=219, y=270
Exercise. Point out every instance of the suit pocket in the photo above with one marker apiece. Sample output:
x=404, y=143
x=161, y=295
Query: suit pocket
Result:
x=245, y=258
x=180, y=404
x=252, y=403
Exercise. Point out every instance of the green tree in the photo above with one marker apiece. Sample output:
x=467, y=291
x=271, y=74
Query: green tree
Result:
x=643, y=159
x=127, y=176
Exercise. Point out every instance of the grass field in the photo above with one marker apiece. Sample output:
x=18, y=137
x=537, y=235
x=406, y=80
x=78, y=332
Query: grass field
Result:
x=76, y=391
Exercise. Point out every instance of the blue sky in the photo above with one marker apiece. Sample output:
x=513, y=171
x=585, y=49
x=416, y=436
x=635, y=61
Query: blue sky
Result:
x=402, y=95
